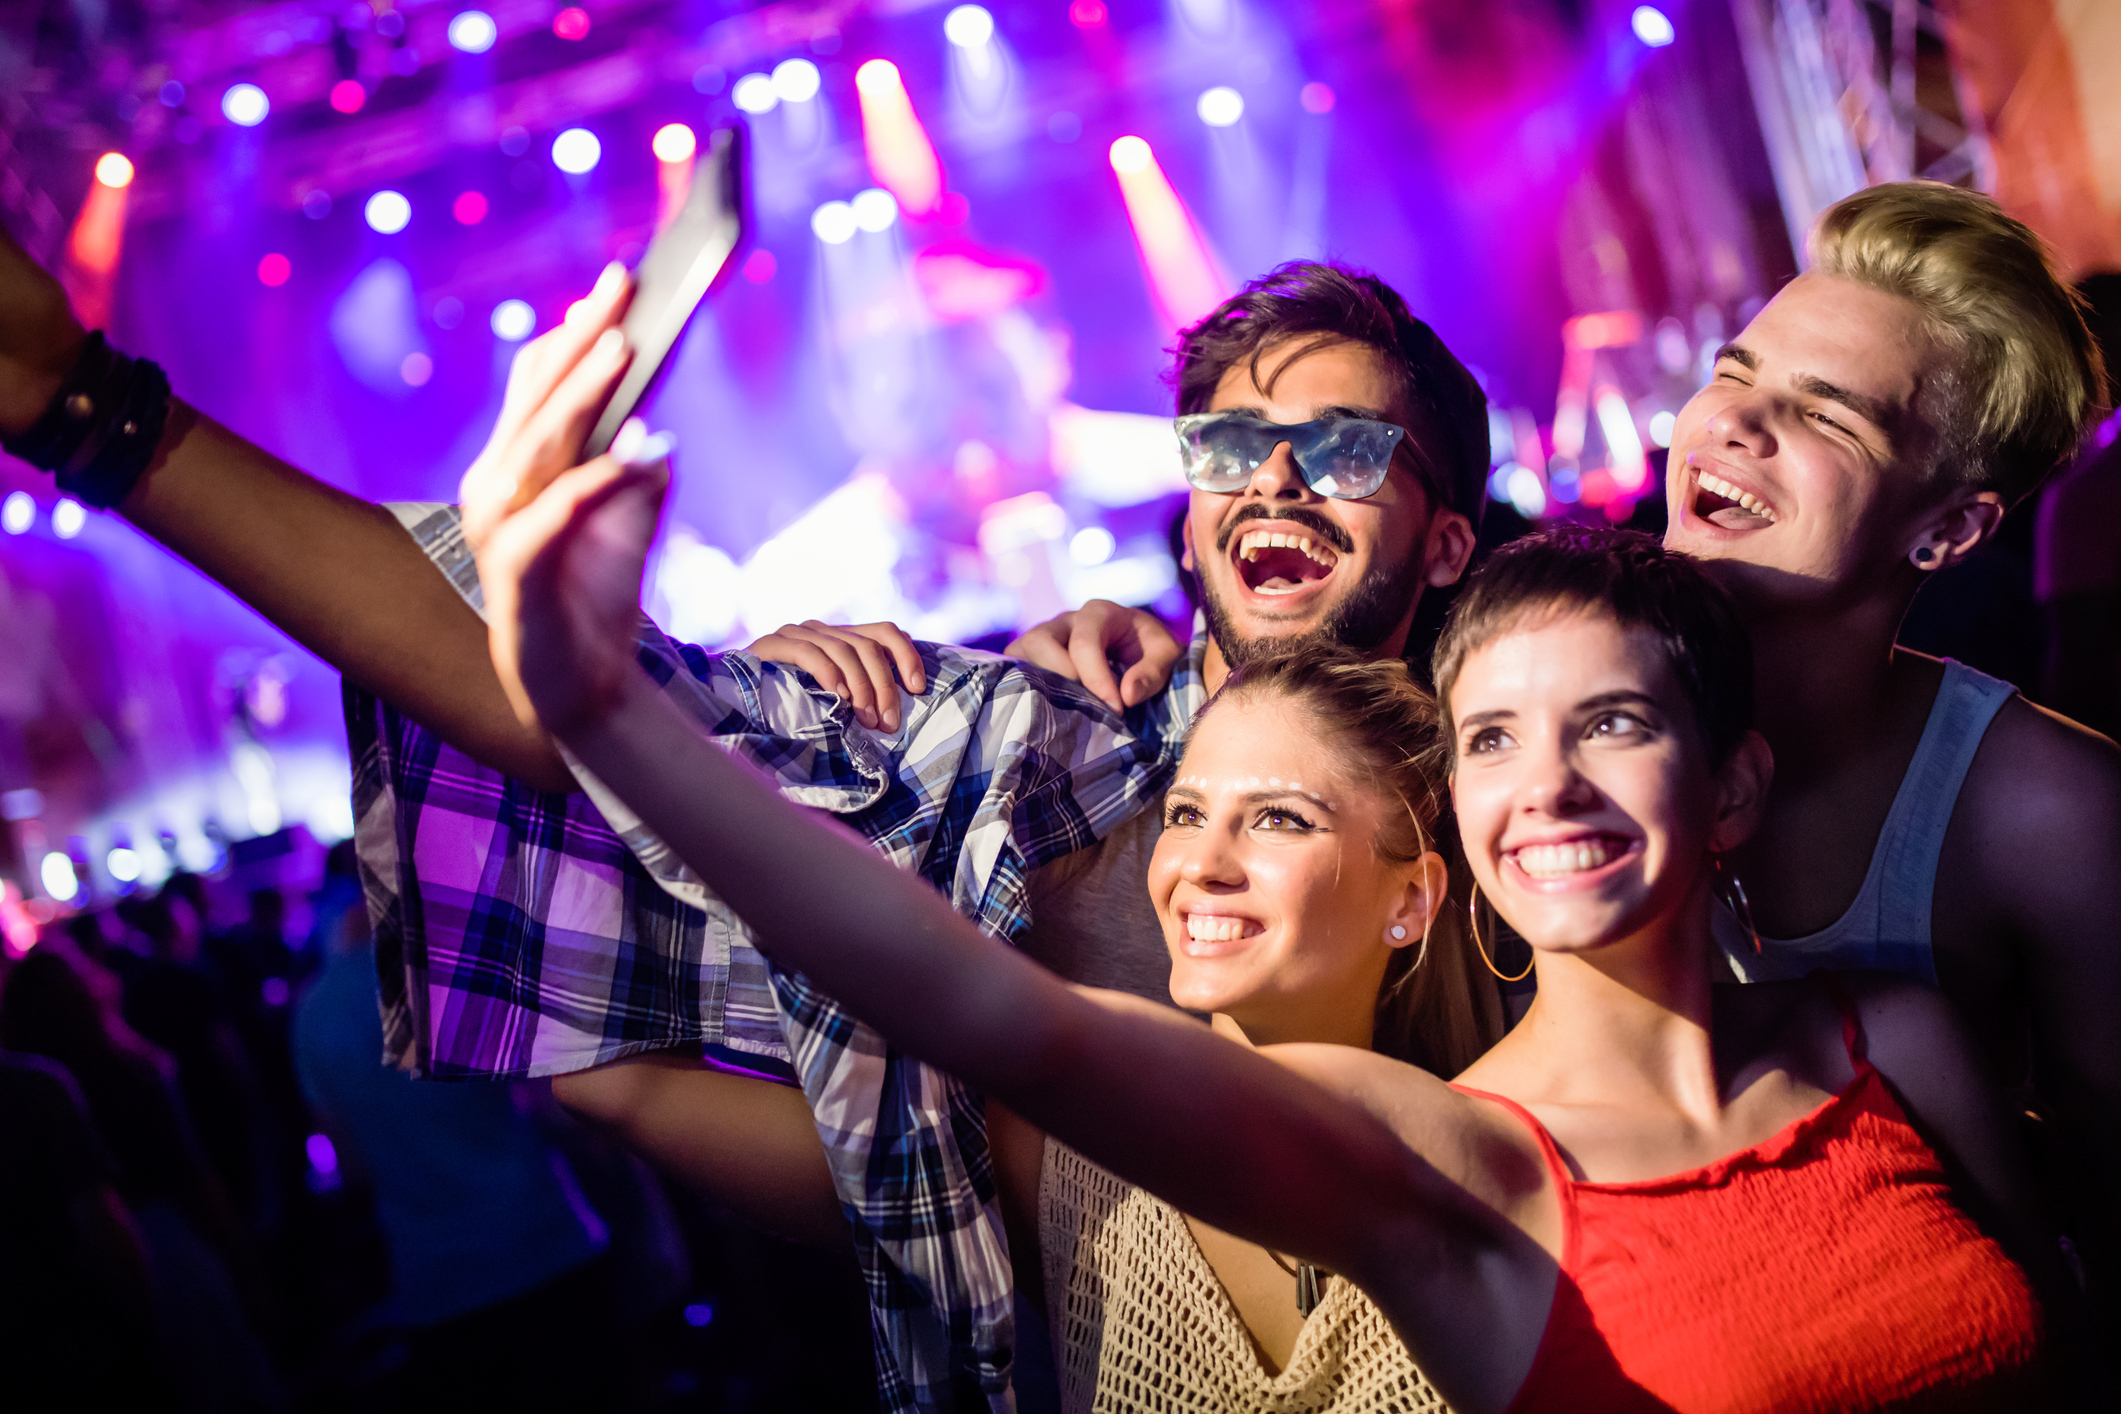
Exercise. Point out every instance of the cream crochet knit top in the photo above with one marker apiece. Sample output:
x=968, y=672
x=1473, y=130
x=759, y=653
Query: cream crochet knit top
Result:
x=1140, y=1322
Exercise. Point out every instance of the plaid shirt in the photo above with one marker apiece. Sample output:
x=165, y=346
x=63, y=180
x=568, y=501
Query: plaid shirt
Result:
x=525, y=933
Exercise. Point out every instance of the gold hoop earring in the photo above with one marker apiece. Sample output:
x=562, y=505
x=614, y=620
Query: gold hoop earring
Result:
x=1731, y=894
x=1473, y=917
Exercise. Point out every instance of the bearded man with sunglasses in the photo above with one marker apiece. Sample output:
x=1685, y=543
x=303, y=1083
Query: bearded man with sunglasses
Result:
x=522, y=931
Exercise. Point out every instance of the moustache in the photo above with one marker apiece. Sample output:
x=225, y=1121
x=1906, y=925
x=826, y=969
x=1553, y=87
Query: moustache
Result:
x=1310, y=520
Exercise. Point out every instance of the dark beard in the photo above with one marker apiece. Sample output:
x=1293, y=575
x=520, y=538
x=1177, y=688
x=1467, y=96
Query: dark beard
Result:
x=1364, y=619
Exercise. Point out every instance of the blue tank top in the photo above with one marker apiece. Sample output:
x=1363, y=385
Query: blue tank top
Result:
x=1888, y=926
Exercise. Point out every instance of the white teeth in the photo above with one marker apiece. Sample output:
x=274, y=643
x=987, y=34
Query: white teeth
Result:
x=1214, y=928
x=1717, y=486
x=1550, y=861
x=1258, y=540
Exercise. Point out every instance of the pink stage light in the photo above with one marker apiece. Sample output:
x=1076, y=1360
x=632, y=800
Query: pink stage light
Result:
x=571, y=23
x=901, y=158
x=1185, y=279
x=275, y=270
x=97, y=239
x=1087, y=14
x=469, y=208
x=347, y=96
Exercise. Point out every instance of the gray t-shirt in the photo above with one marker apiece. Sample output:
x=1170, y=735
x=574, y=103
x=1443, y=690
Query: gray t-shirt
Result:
x=1090, y=916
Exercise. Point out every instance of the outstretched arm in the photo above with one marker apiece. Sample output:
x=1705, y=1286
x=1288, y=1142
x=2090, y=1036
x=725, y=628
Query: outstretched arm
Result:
x=338, y=574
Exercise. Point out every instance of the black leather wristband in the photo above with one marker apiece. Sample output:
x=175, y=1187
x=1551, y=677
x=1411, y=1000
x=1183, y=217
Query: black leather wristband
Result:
x=100, y=430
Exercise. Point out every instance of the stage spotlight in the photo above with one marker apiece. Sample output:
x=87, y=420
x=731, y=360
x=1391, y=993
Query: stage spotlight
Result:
x=571, y=23
x=473, y=32
x=901, y=157
x=795, y=81
x=833, y=223
x=275, y=270
x=1661, y=425
x=469, y=208
x=875, y=209
x=1220, y=106
x=1131, y=155
x=347, y=96
x=754, y=94
x=18, y=513
x=674, y=142
x=1087, y=14
x=513, y=320
x=1316, y=98
x=114, y=169
x=1185, y=280
x=387, y=213
x=968, y=26
x=245, y=105
x=1652, y=27
x=122, y=864
x=60, y=881
x=68, y=518
x=576, y=151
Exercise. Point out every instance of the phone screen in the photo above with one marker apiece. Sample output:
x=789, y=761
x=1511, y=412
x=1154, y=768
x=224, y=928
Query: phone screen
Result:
x=684, y=262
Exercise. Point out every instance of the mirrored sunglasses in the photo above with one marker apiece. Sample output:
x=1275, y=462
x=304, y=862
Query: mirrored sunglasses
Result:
x=1345, y=457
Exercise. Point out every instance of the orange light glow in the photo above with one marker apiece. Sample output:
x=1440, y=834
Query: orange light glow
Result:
x=114, y=169
x=1185, y=279
x=901, y=158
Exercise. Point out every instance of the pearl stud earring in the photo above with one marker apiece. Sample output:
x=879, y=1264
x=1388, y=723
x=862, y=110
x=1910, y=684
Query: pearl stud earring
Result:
x=1399, y=933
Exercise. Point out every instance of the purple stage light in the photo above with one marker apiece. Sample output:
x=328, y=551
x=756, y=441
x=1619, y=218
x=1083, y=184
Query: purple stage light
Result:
x=323, y=1154
x=18, y=513
x=796, y=81
x=754, y=94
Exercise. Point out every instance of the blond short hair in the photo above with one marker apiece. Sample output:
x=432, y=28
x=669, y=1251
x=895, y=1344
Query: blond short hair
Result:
x=2029, y=380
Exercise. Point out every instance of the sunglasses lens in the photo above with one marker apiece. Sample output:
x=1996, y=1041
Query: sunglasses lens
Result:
x=1221, y=456
x=1349, y=459
x=1341, y=457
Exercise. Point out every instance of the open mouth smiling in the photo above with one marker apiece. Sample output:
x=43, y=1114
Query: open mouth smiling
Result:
x=1570, y=863
x=1215, y=934
x=1723, y=503
x=1282, y=557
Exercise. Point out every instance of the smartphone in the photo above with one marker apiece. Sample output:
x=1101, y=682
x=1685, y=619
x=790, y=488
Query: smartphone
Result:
x=684, y=262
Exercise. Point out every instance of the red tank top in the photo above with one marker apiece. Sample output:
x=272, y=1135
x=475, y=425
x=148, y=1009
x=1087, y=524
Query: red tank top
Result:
x=1827, y=1268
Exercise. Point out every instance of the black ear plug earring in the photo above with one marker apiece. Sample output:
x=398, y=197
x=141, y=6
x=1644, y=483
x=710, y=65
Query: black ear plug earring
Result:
x=1924, y=555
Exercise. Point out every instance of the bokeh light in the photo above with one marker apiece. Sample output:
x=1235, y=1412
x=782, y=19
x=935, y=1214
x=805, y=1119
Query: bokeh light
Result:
x=833, y=223
x=275, y=270
x=576, y=151
x=796, y=81
x=513, y=320
x=387, y=213
x=1316, y=98
x=347, y=96
x=18, y=512
x=416, y=369
x=674, y=142
x=469, y=208
x=754, y=94
x=114, y=169
x=1087, y=14
x=69, y=518
x=1221, y=106
x=1652, y=26
x=874, y=209
x=758, y=269
x=122, y=864
x=245, y=105
x=60, y=881
x=968, y=26
x=1131, y=154
x=571, y=23
x=473, y=32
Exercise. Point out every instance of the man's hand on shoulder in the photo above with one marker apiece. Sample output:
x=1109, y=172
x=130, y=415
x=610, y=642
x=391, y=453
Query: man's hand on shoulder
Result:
x=1087, y=645
x=855, y=663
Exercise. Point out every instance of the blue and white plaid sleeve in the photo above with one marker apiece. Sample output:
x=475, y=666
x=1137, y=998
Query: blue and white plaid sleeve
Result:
x=526, y=933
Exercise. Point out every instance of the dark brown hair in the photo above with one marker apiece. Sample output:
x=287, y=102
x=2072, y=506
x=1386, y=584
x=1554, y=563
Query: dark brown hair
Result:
x=1633, y=580
x=1387, y=729
x=1324, y=303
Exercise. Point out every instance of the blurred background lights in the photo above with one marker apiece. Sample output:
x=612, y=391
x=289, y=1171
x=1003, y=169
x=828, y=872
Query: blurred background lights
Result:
x=1087, y=14
x=1092, y=545
x=68, y=518
x=795, y=81
x=1652, y=27
x=674, y=142
x=416, y=369
x=1526, y=493
x=275, y=270
x=1316, y=98
x=387, y=213
x=114, y=169
x=347, y=96
x=754, y=94
x=18, y=512
x=122, y=864
x=833, y=223
x=1131, y=154
x=968, y=26
x=576, y=151
x=878, y=76
x=874, y=209
x=57, y=872
x=1661, y=424
x=1221, y=106
x=245, y=105
x=469, y=208
x=513, y=320
x=571, y=23
x=171, y=93
x=473, y=32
